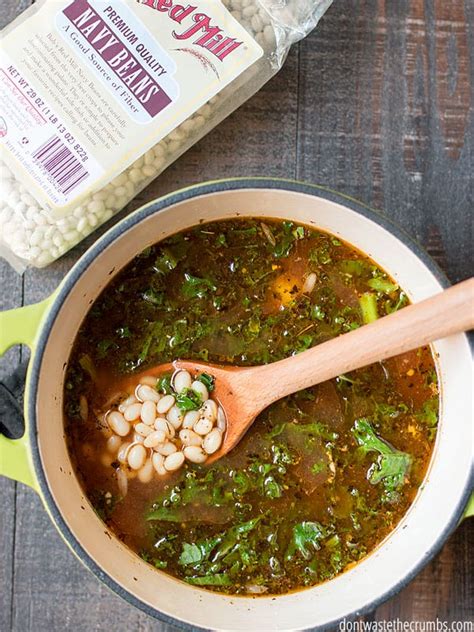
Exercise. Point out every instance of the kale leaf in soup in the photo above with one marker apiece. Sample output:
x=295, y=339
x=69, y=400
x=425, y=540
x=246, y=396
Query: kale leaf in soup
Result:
x=323, y=475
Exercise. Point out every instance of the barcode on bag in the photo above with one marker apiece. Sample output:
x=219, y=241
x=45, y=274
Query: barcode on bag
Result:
x=61, y=164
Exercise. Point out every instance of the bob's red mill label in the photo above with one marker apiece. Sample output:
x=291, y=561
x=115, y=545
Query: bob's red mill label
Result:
x=87, y=86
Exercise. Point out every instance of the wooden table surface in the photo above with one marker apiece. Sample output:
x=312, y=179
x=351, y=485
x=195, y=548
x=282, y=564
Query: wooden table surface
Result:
x=377, y=103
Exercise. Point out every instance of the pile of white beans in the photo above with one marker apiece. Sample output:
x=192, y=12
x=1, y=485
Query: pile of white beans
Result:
x=152, y=435
x=34, y=236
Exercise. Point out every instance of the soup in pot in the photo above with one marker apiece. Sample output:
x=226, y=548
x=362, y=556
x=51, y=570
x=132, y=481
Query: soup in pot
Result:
x=322, y=476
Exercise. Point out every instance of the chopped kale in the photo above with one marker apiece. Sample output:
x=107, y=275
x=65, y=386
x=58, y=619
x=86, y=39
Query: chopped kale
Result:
x=306, y=540
x=207, y=380
x=391, y=466
x=195, y=287
x=188, y=399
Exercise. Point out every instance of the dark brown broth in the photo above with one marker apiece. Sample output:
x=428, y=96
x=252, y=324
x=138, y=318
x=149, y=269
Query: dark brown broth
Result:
x=298, y=484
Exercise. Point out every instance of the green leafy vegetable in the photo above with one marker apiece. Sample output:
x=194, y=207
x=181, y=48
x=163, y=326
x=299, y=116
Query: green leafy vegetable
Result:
x=272, y=488
x=87, y=365
x=188, y=400
x=242, y=482
x=164, y=384
x=298, y=233
x=166, y=262
x=306, y=538
x=320, y=255
x=303, y=342
x=401, y=302
x=221, y=240
x=160, y=564
x=207, y=380
x=221, y=579
x=429, y=412
x=317, y=468
x=104, y=503
x=196, y=553
x=382, y=285
x=353, y=267
x=392, y=465
x=194, y=287
x=152, y=296
x=104, y=346
x=429, y=416
x=123, y=332
x=317, y=313
x=168, y=514
x=286, y=239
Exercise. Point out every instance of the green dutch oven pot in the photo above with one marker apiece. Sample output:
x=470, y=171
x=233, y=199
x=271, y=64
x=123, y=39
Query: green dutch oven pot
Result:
x=40, y=458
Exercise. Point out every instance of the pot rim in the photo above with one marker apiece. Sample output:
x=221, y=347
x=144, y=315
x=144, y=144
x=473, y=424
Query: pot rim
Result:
x=152, y=208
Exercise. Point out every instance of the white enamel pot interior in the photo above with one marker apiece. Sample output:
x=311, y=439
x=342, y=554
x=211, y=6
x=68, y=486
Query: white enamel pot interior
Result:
x=438, y=505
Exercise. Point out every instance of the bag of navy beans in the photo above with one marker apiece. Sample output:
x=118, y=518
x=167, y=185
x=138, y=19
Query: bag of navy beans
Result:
x=99, y=97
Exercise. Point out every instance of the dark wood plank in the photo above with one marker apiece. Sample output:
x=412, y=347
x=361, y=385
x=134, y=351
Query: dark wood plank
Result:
x=385, y=95
x=9, y=9
x=12, y=288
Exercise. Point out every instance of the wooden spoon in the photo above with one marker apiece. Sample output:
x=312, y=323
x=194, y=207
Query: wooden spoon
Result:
x=244, y=392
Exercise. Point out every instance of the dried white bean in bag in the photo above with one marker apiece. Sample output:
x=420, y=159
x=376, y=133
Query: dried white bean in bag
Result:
x=30, y=234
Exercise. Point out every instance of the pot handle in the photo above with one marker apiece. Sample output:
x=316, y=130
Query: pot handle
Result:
x=469, y=511
x=19, y=326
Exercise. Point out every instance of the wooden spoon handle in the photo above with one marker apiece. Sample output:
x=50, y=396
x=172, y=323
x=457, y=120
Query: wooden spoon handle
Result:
x=447, y=313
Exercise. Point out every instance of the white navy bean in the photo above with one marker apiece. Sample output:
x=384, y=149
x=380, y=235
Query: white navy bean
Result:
x=190, y=418
x=131, y=399
x=158, y=460
x=145, y=473
x=163, y=424
x=203, y=426
x=166, y=448
x=136, y=456
x=182, y=380
x=118, y=423
x=146, y=393
x=189, y=437
x=122, y=482
x=212, y=441
x=165, y=404
x=201, y=389
x=174, y=461
x=113, y=444
x=154, y=439
x=132, y=412
x=148, y=412
x=221, y=419
x=138, y=438
x=309, y=283
x=122, y=453
x=175, y=416
x=195, y=454
x=209, y=410
x=83, y=408
x=143, y=429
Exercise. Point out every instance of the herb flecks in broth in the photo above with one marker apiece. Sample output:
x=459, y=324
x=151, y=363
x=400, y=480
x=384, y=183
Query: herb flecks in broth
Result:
x=323, y=475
